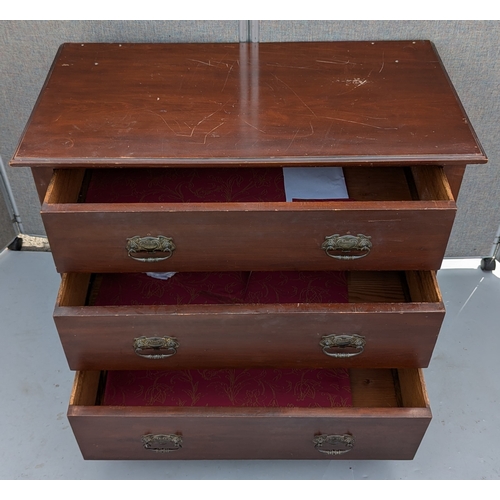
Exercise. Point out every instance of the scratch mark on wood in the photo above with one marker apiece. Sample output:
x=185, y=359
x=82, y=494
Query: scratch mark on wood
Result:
x=225, y=81
x=192, y=129
x=298, y=97
x=278, y=65
x=358, y=83
x=385, y=220
x=383, y=62
x=300, y=137
x=327, y=133
x=293, y=138
x=334, y=62
x=358, y=123
x=253, y=126
x=210, y=131
x=163, y=120
x=203, y=62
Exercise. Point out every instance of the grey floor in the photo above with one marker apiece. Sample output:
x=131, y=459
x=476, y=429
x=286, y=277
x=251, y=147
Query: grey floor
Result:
x=462, y=442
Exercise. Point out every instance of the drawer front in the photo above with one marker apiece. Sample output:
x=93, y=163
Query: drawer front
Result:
x=137, y=237
x=114, y=433
x=121, y=338
x=242, y=240
x=357, y=334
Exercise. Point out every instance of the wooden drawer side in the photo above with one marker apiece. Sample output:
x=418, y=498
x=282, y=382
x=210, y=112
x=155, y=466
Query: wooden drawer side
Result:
x=431, y=183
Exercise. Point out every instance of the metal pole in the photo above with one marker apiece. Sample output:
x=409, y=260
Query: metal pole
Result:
x=249, y=31
x=489, y=263
x=9, y=199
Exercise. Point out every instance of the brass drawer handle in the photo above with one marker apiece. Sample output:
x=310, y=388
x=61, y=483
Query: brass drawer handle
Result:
x=340, y=247
x=335, y=440
x=342, y=342
x=150, y=244
x=162, y=443
x=169, y=344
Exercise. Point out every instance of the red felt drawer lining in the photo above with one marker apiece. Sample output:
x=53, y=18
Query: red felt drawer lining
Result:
x=304, y=388
x=231, y=287
x=178, y=185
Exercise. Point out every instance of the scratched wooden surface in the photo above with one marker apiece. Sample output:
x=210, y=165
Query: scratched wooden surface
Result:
x=325, y=102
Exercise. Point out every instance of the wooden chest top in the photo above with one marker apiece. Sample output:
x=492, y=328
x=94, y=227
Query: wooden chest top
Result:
x=344, y=103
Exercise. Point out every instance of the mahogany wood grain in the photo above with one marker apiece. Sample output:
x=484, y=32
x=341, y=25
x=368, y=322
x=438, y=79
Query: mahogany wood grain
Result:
x=412, y=386
x=377, y=184
x=381, y=431
x=455, y=176
x=376, y=287
x=431, y=183
x=397, y=333
x=371, y=388
x=42, y=177
x=423, y=287
x=315, y=102
x=85, y=388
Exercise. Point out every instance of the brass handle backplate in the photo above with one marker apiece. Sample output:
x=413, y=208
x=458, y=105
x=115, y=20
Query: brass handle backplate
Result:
x=333, y=442
x=162, y=443
x=342, y=342
x=168, y=344
x=347, y=247
x=150, y=245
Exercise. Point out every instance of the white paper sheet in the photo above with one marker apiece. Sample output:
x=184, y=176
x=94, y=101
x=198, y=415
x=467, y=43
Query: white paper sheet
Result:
x=161, y=276
x=314, y=183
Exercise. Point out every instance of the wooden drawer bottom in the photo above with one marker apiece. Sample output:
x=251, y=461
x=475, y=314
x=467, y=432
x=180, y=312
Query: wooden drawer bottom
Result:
x=387, y=420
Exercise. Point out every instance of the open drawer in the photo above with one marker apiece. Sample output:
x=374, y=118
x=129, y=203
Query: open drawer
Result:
x=387, y=419
x=380, y=319
x=396, y=218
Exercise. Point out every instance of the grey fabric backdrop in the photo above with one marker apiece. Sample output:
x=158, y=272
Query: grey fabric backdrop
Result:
x=470, y=51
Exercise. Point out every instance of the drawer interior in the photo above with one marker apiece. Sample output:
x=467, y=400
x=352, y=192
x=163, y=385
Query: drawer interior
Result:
x=370, y=388
x=317, y=287
x=351, y=287
x=226, y=387
x=242, y=185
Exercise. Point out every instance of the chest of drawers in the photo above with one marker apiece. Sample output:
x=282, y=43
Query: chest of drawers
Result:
x=305, y=289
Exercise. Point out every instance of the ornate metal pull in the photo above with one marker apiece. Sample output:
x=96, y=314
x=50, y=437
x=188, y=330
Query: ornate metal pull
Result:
x=169, y=344
x=334, y=440
x=150, y=244
x=338, y=247
x=162, y=443
x=342, y=342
